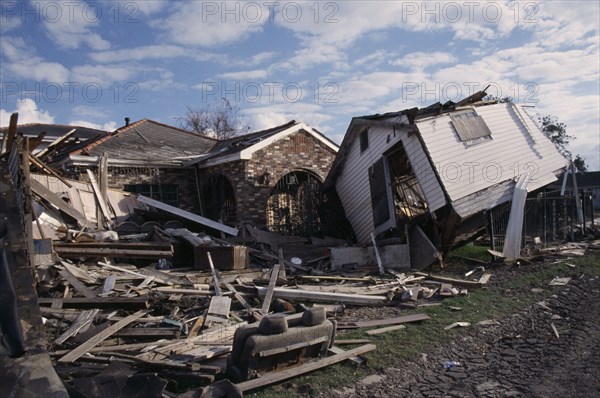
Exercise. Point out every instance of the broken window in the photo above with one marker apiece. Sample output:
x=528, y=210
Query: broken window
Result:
x=409, y=199
x=166, y=193
x=364, y=140
x=218, y=199
x=293, y=204
x=470, y=127
x=396, y=195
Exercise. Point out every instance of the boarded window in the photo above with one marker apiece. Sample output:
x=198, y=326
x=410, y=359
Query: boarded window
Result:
x=470, y=127
x=364, y=140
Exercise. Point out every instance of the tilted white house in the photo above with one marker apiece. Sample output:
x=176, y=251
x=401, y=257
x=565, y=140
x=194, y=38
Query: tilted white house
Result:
x=438, y=169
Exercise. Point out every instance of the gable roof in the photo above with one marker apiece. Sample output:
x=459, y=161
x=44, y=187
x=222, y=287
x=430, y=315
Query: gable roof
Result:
x=242, y=147
x=517, y=142
x=149, y=141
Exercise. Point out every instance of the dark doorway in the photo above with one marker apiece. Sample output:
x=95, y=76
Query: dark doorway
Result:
x=293, y=204
x=218, y=199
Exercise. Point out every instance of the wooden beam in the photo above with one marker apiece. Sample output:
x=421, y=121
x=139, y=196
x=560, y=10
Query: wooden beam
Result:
x=55, y=143
x=46, y=194
x=84, y=319
x=77, y=284
x=385, y=330
x=377, y=256
x=337, y=350
x=275, y=377
x=269, y=292
x=99, y=197
x=383, y=322
x=213, y=271
x=33, y=159
x=97, y=339
x=295, y=294
x=98, y=302
x=187, y=215
x=102, y=184
x=454, y=281
x=12, y=131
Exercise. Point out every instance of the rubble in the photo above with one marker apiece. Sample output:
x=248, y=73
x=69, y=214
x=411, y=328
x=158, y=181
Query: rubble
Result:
x=151, y=306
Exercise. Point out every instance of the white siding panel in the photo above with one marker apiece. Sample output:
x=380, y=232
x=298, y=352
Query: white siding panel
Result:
x=511, y=152
x=353, y=187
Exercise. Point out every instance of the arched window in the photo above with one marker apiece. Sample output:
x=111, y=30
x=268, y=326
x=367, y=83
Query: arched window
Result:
x=292, y=206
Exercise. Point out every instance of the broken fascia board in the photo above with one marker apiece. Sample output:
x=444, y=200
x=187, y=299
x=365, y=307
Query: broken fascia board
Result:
x=186, y=214
x=246, y=154
x=92, y=161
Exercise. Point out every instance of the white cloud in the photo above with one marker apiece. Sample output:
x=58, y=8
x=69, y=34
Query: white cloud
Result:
x=211, y=24
x=28, y=113
x=244, y=75
x=70, y=24
x=9, y=23
x=147, y=7
x=139, y=53
x=421, y=60
x=23, y=63
x=108, y=126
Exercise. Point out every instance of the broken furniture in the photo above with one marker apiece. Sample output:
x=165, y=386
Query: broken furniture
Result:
x=279, y=341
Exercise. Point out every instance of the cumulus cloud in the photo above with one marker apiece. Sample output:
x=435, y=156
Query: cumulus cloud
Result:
x=28, y=113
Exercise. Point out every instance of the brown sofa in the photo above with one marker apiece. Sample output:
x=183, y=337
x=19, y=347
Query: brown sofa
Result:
x=278, y=341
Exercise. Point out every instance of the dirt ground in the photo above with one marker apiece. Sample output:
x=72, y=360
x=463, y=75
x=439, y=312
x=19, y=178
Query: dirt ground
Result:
x=519, y=357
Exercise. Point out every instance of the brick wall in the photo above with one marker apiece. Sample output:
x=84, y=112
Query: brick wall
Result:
x=298, y=151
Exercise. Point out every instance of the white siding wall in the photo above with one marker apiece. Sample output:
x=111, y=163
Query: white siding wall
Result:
x=353, y=187
x=511, y=152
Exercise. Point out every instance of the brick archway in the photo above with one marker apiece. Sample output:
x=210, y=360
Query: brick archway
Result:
x=292, y=205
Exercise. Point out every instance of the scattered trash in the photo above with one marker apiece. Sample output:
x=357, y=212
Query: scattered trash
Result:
x=451, y=364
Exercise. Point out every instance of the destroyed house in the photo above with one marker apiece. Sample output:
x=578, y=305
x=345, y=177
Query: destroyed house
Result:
x=145, y=157
x=434, y=172
x=271, y=178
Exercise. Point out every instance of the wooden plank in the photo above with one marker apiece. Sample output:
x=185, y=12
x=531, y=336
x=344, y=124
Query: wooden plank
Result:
x=103, y=185
x=352, y=341
x=196, y=328
x=383, y=322
x=213, y=271
x=337, y=350
x=270, y=288
x=239, y=298
x=77, y=284
x=44, y=193
x=377, y=256
x=190, y=216
x=48, y=169
x=97, y=302
x=385, y=330
x=109, y=284
x=454, y=281
x=97, y=339
x=99, y=198
x=12, y=131
x=295, y=294
x=84, y=319
x=76, y=251
x=275, y=377
x=55, y=143
x=218, y=310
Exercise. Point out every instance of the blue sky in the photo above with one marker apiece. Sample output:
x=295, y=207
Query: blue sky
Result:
x=320, y=62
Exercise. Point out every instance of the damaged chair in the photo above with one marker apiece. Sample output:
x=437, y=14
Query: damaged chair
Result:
x=278, y=342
